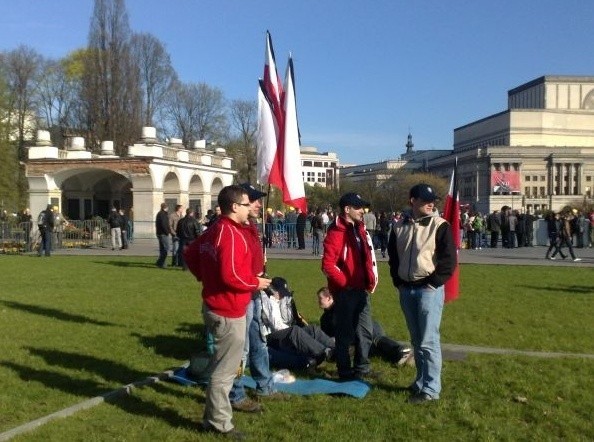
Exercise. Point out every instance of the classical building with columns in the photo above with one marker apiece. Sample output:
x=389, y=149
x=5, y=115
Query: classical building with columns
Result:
x=538, y=154
x=83, y=184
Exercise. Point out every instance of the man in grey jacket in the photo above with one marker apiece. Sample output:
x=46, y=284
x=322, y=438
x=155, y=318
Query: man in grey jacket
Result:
x=422, y=257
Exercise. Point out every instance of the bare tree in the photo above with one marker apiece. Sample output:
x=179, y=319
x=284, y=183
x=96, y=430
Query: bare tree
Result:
x=243, y=117
x=156, y=73
x=195, y=112
x=58, y=93
x=22, y=67
x=111, y=78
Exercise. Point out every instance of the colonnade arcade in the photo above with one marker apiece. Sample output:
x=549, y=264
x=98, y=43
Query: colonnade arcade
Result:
x=85, y=185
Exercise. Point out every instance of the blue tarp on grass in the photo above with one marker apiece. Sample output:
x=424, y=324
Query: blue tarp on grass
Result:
x=302, y=387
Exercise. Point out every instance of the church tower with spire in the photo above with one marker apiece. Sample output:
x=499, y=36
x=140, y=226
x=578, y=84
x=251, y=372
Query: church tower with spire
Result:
x=409, y=144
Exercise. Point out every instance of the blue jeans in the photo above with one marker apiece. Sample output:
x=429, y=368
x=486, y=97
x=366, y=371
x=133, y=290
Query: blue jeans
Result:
x=163, y=249
x=422, y=307
x=353, y=326
x=174, y=251
x=46, y=242
x=255, y=354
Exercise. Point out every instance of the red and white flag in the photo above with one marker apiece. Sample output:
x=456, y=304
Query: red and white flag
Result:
x=289, y=151
x=267, y=136
x=278, y=146
x=451, y=213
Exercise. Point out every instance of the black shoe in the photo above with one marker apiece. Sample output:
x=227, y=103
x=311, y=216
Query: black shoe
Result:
x=420, y=398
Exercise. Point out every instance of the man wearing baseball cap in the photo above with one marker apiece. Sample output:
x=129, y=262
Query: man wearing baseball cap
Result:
x=351, y=269
x=422, y=257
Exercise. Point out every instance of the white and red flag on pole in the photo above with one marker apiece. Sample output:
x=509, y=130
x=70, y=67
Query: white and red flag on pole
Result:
x=278, y=146
x=451, y=213
x=289, y=150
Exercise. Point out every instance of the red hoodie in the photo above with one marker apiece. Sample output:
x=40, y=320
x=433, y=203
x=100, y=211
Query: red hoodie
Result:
x=345, y=264
x=225, y=268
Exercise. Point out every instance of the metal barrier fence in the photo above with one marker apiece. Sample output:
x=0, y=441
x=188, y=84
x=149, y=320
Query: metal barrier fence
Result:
x=18, y=238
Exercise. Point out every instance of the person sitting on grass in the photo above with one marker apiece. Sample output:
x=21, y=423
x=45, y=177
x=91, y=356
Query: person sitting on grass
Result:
x=288, y=331
x=382, y=345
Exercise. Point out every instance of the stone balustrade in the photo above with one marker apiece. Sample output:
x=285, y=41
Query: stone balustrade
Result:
x=148, y=146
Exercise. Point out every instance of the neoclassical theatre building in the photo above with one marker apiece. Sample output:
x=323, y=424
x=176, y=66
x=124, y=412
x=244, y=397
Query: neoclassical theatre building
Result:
x=83, y=184
x=538, y=154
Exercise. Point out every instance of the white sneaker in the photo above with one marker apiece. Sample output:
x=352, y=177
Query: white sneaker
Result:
x=552, y=258
x=577, y=259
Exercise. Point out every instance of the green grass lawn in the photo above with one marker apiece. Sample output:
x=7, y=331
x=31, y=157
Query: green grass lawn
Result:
x=76, y=327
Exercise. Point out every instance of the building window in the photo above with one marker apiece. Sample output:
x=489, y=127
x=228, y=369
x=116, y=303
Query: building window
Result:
x=527, y=177
x=318, y=164
x=588, y=178
x=307, y=163
x=527, y=191
x=542, y=192
x=543, y=178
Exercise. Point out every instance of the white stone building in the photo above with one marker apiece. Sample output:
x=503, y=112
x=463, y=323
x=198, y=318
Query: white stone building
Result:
x=319, y=168
x=83, y=184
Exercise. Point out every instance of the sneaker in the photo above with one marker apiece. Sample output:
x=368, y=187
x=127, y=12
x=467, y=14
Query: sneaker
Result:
x=231, y=434
x=247, y=406
x=577, y=259
x=552, y=258
x=405, y=355
x=420, y=398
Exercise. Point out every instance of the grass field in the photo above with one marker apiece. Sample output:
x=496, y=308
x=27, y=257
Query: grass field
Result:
x=76, y=327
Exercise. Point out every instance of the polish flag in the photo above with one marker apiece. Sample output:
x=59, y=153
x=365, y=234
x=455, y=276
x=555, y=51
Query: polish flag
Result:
x=289, y=149
x=278, y=146
x=451, y=213
x=266, y=136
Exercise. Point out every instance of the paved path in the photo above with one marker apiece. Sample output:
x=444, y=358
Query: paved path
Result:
x=519, y=256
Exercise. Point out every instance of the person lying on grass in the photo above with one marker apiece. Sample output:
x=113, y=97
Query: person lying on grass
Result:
x=288, y=331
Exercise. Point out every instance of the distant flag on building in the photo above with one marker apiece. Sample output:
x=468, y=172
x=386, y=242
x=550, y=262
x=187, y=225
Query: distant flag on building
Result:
x=278, y=145
x=451, y=213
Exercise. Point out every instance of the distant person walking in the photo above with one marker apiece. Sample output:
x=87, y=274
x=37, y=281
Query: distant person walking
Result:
x=162, y=229
x=45, y=224
x=115, y=227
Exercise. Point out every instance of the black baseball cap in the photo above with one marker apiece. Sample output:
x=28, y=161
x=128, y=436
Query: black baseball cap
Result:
x=253, y=193
x=352, y=199
x=281, y=286
x=423, y=192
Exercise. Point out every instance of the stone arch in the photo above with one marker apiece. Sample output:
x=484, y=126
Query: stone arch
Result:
x=588, y=102
x=171, y=189
x=215, y=187
x=87, y=192
x=196, y=195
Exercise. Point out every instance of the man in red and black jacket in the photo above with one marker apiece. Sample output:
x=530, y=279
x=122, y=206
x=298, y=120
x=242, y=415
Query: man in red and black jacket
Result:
x=224, y=265
x=350, y=266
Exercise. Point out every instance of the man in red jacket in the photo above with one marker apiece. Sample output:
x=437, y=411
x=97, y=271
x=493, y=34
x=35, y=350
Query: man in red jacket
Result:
x=228, y=281
x=350, y=266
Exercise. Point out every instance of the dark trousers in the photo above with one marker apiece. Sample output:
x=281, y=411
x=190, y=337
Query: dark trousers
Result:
x=46, y=242
x=301, y=237
x=353, y=326
x=494, y=239
x=309, y=341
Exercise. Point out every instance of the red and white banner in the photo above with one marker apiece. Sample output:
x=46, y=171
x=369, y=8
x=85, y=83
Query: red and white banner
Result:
x=278, y=146
x=451, y=213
